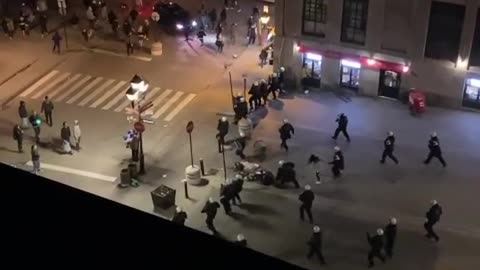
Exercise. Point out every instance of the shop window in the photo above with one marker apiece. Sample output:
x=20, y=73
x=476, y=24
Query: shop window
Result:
x=314, y=17
x=354, y=21
x=471, y=95
x=312, y=64
x=391, y=79
x=350, y=76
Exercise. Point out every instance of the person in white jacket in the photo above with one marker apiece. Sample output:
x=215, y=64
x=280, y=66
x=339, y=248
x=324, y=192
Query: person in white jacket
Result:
x=77, y=133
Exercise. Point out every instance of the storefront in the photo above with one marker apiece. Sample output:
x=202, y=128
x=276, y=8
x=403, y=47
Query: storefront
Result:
x=471, y=93
x=389, y=85
x=350, y=74
x=312, y=70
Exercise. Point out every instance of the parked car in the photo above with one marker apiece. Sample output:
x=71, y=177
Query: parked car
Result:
x=173, y=17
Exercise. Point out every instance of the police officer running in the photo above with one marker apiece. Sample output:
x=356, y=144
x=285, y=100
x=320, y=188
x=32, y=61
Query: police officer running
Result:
x=240, y=143
x=389, y=144
x=238, y=187
x=255, y=97
x=337, y=162
x=306, y=198
x=390, y=235
x=286, y=173
x=433, y=216
x=286, y=132
x=435, y=150
x=315, y=245
x=222, y=128
x=210, y=209
x=376, y=246
x=342, y=121
x=180, y=216
x=227, y=193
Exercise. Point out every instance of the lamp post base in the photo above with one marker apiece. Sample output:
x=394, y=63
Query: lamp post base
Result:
x=193, y=175
x=157, y=49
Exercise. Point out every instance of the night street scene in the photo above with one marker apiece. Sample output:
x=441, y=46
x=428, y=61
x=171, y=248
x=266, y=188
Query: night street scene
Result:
x=248, y=134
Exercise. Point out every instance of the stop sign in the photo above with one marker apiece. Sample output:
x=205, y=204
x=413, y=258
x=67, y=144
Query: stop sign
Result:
x=138, y=126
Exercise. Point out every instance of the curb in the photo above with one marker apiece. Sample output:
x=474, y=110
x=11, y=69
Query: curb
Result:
x=114, y=53
x=22, y=69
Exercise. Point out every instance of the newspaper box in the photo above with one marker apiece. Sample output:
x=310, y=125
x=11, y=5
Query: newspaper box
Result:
x=417, y=101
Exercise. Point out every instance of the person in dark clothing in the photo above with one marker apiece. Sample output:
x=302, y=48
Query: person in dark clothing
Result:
x=213, y=18
x=241, y=109
x=433, y=216
x=281, y=78
x=342, y=121
x=263, y=57
x=223, y=15
x=35, y=158
x=23, y=113
x=23, y=25
x=222, y=128
x=127, y=28
x=66, y=134
x=47, y=108
x=315, y=245
x=286, y=131
x=18, y=136
x=274, y=85
x=240, y=144
x=219, y=30
x=201, y=35
x=390, y=235
x=389, y=144
x=238, y=187
x=135, y=146
x=35, y=121
x=180, y=216
x=286, y=173
x=241, y=241
x=227, y=193
x=252, y=35
x=5, y=27
x=85, y=34
x=337, y=162
x=264, y=91
x=114, y=25
x=306, y=198
x=435, y=150
x=43, y=25
x=220, y=44
x=56, y=38
x=255, y=96
x=211, y=208
x=376, y=246
x=129, y=44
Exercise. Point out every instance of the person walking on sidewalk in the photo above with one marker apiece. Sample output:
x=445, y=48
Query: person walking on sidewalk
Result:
x=376, y=246
x=201, y=35
x=43, y=25
x=23, y=113
x=389, y=144
x=36, y=121
x=135, y=146
x=315, y=245
x=23, y=25
x=47, y=108
x=77, y=134
x=66, y=134
x=337, y=162
x=222, y=128
x=129, y=44
x=238, y=187
x=432, y=217
x=180, y=216
x=18, y=136
x=342, y=121
x=286, y=131
x=220, y=44
x=254, y=96
x=210, y=209
x=263, y=57
x=252, y=35
x=56, y=38
x=227, y=193
x=240, y=143
x=274, y=85
x=306, y=198
x=141, y=36
x=435, y=150
x=390, y=235
x=35, y=158
x=264, y=91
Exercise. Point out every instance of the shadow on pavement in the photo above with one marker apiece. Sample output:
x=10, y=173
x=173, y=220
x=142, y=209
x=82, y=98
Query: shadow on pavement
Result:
x=2, y=148
x=253, y=223
x=258, y=209
x=276, y=104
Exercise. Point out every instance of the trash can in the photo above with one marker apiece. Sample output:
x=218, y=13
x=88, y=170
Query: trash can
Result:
x=416, y=101
x=132, y=170
x=163, y=197
x=124, y=178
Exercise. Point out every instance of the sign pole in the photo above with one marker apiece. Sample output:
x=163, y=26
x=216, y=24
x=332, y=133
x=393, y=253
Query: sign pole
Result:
x=231, y=89
x=224, y=163
x=191, y=148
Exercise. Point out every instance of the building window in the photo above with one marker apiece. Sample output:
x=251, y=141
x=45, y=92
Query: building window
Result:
x=471, y=95
x=314, y=17
x=354, y=21
x=444, y=31
x=475, y=53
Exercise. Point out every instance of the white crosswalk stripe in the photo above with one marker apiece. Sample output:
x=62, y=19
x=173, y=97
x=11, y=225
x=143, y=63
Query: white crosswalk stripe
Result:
x=47, y=87
x=93, y=92
x=38, y=83
x=84, y=90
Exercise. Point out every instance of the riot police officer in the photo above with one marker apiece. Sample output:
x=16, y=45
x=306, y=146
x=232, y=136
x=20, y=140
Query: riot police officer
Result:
x=376, y=246
x=286, y=131
x=337, y=162
x=435, y=150
x=389, y=144
x=342, y=121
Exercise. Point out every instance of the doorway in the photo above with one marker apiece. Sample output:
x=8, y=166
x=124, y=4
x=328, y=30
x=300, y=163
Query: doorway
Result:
x=471, y=94
x=350, y=77
x=389, y=85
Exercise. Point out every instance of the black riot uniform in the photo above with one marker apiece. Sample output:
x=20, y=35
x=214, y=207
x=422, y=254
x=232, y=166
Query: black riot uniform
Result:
x=180, y=218
x=342, y=121
x=376, y=246
x=435, y=151
x=286, y=173
x=240, y=143
x=274, y=85
x=315, y=245
x=286, y=131
x=241, y=109
x=238, y=184
x=264, y=92
x=227, y=193
x=433, y=216
x=255, y=96
x=389, y=145
x=306, y=198
x=390, y=235
x=222, y=128
x=18, y=136
x=337, y=162
x=210, y=209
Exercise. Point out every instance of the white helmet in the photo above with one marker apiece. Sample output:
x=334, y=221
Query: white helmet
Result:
x=178, y=209
x=434, y=134
x=336, y=148
x=224, y=119
x=211, y=200
x=379, y=232
x=306, y=92
x=255, y=83
x=393, y=220
x=390, y=133
x=285, y=120
x=282, y=69
x=240, y=237
x=238, y=176
x=239, y=94
x=433, y=202
x=274, y=74
x=242, y=99
x=76, y=122
x=316, y=229
x=264, y=81
x=281, y=162
x=308, y=187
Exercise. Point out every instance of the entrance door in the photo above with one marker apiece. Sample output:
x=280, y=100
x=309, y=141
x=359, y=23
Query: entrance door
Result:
x=350, y=77
x=471, y=96
x=389, y=85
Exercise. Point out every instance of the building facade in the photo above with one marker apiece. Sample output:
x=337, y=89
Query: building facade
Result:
x=383, y=47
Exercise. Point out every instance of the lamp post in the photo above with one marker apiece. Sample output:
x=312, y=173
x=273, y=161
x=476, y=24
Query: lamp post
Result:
x=136, y=92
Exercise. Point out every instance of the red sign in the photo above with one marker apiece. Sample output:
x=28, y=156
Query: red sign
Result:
x=138, y=126
x=190, y=127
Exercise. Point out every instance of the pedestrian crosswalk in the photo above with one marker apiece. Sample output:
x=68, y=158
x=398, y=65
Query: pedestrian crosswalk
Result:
x=103, y=93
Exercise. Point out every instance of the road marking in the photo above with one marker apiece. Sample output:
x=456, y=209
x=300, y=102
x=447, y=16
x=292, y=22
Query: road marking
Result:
x=57, y=168
x=179, y=107
x=167, y=105
x=158, y=100
x=96, y=92
x=127, y=102
x=38, y=83
x=151, y=94
x=74, y=87
x=107, y=94
x=142, y=58
x=116, y=99
x=84, y=90
x=66, y=83
x=57, y=80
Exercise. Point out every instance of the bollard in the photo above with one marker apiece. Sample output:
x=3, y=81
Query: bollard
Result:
x=185, y=185
x=202, y=167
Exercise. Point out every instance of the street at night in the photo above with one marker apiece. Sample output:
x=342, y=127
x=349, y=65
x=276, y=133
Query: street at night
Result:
x=87, y=82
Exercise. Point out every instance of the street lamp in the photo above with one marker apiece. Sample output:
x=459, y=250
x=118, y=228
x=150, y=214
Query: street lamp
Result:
x=138, y=86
